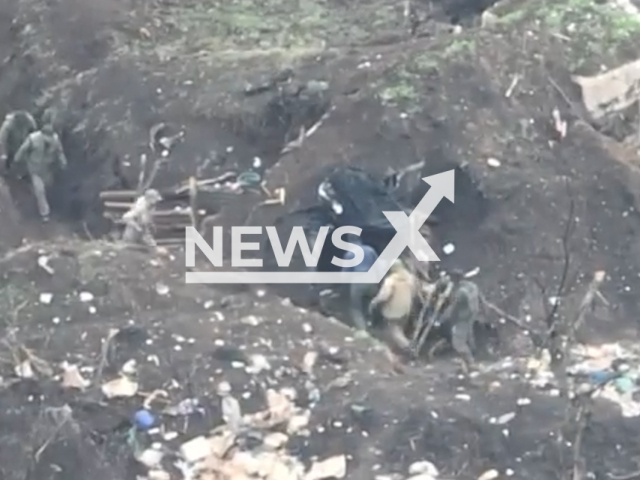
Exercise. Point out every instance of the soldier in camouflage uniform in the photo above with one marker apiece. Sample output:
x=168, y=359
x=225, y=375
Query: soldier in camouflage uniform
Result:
x=14, y=131
x=139, y=219
x=38, y=154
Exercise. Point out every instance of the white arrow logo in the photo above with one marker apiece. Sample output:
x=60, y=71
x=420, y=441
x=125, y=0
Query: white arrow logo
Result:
x=407, y=235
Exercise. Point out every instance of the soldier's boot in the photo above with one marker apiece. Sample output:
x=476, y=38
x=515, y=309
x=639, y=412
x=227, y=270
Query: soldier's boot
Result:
x=132, y=233
x=462, y=341
x=40, y=193
x=358, y=294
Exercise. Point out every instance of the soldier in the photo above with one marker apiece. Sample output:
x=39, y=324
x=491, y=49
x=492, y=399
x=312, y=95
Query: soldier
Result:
x=455, y=306
x=361, y=294
x=15, y=129
x=38, y=153
x=139, y=219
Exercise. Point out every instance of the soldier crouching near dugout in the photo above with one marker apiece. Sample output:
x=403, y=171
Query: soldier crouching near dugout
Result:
x=38, y=154
x=139, y=219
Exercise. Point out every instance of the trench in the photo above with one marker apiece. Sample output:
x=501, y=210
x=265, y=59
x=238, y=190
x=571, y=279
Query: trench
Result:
x=95, y=166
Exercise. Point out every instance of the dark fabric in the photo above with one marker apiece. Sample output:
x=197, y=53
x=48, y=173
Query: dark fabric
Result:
x=363, y=199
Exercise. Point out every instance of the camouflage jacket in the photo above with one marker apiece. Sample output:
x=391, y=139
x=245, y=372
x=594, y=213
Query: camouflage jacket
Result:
x=40, y=152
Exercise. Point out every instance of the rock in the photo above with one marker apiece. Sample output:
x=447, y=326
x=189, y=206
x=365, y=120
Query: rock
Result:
x=489, y=475
x=423, y=466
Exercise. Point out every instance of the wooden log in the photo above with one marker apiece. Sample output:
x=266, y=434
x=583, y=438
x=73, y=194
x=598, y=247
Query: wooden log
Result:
x=118, y=205
x=118, y=194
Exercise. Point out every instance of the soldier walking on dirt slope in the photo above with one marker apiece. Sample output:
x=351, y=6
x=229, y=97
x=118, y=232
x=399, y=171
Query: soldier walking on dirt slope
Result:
x=39, y=153
x=15, y=129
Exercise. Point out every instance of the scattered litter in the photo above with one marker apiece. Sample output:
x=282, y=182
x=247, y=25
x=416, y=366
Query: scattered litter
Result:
x=472, y=273
x=186, y=407
x=257, y=162
x=43, y=262
x=275, y=440
x=523, y=401
x=333, y=467
x=130, y=367
x=463, y=396
x=151, y=397
x=46, y=298
x=493, y=162
x=489, y=475
x=258, y=364
x=503, y=419
x=120, y=387
x=449, y=248
x=144, y=419
x=514, y=81
x=72, y=378
x=158, y=475
x=196, y=449
x=423, y=466
x=24, y=370
x=150, y=457
x=559, y=124
x=298, y=422
x=162, y=289
x=308, y=362
x=86, y=297
x=224, y=388
x=231, y=412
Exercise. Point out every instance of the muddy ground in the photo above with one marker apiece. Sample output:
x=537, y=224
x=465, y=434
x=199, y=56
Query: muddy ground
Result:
x=455, y=97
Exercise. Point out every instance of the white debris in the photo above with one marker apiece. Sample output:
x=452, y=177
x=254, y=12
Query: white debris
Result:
x=162, y=289
x=224, y=388
x=92, y=310
x=275, y=440
x=333, y=467
x=72, y=378
x=43, y=262
x=46, y=298
x=422, y=476
x=24, y=370
x=120, y=387
x=307, y=328
x=449, y=248
x=208, y=304
x=150, y=457
x=158, y=475
x=196, y=449
x=257, y=163
x=258, y=364
x=489, y=475
x=504, y=419
x=86, y=297
x=523, y=401
x=129, y=367
x=472, y=273
x=309, y=361
x=493, y=162
x=463, y=396
x=423, y=467
x=231, y=412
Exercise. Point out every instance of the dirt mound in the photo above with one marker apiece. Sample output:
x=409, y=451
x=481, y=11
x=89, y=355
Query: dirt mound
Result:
x=188, y=340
